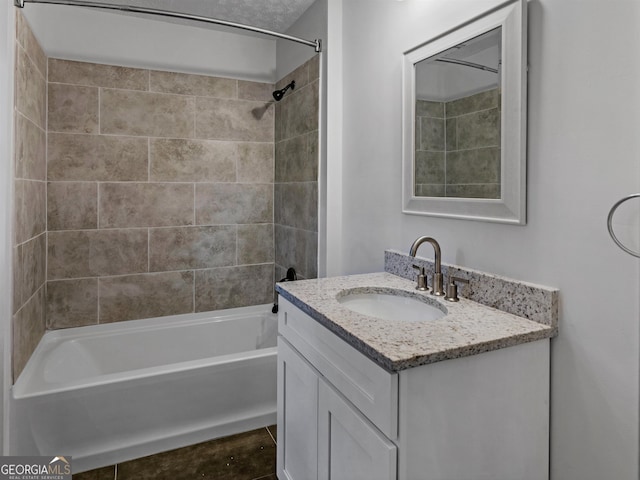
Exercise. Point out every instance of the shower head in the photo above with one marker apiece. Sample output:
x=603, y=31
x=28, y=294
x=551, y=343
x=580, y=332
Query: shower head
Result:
x=278, y=94
x=258, y=112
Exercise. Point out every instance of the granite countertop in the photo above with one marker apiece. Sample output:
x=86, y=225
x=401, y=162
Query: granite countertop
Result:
x=467, y=329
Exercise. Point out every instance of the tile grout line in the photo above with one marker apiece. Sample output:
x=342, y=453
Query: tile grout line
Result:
x=98, y=183
x=195, y=225
x=272, y=438
x=195, y=193
x=99, y=132
x=148, y=250
x=195, y=269
x=98, y=299
x=193, y=278
x=193, y=289
x=131, y=135
x=46, y=188
x=195, y=117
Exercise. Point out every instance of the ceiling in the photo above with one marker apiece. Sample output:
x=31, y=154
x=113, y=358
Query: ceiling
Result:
x=276, y=15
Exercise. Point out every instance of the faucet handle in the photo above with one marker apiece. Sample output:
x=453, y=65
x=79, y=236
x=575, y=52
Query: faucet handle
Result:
x=422, y=278
x=452, y=288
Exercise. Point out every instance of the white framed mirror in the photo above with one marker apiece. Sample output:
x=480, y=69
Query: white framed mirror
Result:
x=465, y=118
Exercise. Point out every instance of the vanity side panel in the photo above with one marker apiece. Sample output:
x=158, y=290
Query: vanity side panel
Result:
x=484, y=417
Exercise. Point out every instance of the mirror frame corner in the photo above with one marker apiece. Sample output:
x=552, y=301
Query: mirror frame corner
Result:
x=510, y=208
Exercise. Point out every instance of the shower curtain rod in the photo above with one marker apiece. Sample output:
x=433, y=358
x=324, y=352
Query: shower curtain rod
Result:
x=467, y=64
x=316, y=44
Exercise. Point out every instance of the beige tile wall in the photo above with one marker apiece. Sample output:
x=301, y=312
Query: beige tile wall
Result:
x=473, y=146
x=29, y=244
x=296, y=173
x=160, y=193
x=458, y=147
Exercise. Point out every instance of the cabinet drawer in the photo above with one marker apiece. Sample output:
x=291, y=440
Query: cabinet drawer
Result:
x=373, y=390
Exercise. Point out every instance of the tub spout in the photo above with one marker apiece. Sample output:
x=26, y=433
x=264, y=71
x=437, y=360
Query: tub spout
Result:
x=291, y=276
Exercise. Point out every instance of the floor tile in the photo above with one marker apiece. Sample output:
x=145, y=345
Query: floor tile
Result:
x=246, y=456
x=106, y=473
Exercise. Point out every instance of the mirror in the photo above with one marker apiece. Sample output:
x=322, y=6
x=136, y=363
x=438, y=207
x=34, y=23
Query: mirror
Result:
x=464, y=120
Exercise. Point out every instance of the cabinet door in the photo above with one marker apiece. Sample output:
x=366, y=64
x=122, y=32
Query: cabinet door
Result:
x=297, y=450
x=349, y=446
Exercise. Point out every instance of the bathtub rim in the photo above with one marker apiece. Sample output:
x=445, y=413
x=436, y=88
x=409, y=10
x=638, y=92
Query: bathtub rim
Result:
x=20, y=390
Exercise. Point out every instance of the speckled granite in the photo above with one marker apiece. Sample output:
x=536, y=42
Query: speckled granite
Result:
x=468, y=328
x=535, y=302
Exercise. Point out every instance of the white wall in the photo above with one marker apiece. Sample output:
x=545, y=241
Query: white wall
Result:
x=583, y=155
x=310, y=26
x=102, y=36
x=7, y=46
x=331, y=183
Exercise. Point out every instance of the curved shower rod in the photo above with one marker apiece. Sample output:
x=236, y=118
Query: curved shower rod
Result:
x=316, y=44
x=467, y=64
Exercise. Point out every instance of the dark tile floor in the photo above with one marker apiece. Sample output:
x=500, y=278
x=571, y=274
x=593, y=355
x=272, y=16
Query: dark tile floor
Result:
x=246, y=456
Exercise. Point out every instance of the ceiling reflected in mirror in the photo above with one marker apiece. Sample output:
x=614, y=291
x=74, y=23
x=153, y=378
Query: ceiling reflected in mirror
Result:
x=467, y=68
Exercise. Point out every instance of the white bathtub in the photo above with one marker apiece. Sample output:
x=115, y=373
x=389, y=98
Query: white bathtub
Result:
x=109, y=393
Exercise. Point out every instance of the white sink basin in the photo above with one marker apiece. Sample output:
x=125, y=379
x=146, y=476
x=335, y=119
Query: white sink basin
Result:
x=392, y=305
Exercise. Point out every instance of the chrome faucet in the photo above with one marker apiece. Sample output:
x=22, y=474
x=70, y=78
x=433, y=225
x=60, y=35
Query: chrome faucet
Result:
x=436, y=281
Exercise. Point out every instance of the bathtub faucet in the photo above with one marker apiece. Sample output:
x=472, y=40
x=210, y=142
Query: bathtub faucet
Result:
x=291, y=276
x=436, y=281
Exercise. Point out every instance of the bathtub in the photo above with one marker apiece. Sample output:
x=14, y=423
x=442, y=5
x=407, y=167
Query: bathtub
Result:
x=109, y=393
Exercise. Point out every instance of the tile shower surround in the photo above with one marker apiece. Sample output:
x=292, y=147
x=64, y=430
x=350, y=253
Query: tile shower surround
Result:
x=136, y=164
x=29, y=184
x=160, y=193
x=296, y=173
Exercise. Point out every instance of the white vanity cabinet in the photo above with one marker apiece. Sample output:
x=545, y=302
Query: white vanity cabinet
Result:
x=343, y=417
x=321, y=435
x=337, y=410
